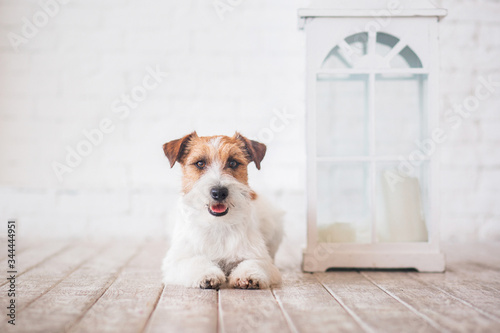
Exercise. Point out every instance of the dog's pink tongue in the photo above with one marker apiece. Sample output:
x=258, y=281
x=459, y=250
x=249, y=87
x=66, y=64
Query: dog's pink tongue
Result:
x=218, y=208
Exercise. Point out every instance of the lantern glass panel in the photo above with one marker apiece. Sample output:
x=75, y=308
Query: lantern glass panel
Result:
x=389, y=52
x=343, y=214
x=345, y=57
x=406, y=58
x=385, y=43
x=402, y=202
x=342, y=121
x=400, y=109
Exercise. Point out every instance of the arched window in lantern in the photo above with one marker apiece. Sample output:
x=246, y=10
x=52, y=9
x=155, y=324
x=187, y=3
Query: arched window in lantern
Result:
x=371, y=117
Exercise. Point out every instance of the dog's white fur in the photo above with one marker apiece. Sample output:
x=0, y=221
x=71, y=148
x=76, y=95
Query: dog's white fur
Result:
x=240, y=245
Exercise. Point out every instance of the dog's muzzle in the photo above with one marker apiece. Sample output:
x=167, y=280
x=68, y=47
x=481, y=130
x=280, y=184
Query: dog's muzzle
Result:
x=219, y=194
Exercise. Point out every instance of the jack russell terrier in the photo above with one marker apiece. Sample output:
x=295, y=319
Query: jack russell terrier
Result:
x=224, y=231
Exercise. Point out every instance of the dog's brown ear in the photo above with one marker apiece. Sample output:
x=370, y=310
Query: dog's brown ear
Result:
x=256, y=150
x=175, y=149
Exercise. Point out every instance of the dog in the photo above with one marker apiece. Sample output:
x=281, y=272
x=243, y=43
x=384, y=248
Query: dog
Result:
x=225, y=234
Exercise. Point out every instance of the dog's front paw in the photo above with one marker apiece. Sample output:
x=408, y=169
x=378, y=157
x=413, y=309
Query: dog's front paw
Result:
x=213, y=280
x=245, y=283
x=249, y=275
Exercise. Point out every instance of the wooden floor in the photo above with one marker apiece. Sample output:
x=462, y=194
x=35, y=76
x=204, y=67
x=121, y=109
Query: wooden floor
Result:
x=116, y=287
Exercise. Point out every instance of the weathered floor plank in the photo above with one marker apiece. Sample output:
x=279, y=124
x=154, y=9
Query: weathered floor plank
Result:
x=474, y=283
x=250, y=311
x=183, y=309
x=448, y=312
x=129, y=301
x=310, y=307
x=372, y=307
x=67, y=302
x=39, y=280
x=471, y=293
x=34, y=256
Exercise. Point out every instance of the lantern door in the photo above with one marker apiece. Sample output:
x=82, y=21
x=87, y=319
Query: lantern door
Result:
x=371, y=111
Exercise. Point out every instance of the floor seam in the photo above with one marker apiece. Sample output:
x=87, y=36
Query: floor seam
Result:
x=365, y=327
x=68, y=246
x=288, y=320
x=148, y=320
x=220, y=326
x=484, y=313
x=61, y=280
x=408, y=306
x=106, y=287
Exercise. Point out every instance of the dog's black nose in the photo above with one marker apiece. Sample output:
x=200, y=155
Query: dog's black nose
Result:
x=219, y=193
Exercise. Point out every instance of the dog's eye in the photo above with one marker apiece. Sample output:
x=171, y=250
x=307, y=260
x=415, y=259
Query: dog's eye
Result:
x=233, y=164
x=200, y=164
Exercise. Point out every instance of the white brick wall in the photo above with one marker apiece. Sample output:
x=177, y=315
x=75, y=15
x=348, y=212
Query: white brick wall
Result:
x=470, y=158
x=223, y=75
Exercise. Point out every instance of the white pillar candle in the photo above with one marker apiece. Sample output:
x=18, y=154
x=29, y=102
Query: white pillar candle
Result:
x=402, y=216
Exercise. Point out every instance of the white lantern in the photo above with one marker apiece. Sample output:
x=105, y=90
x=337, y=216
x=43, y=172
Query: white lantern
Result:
x=372, y=131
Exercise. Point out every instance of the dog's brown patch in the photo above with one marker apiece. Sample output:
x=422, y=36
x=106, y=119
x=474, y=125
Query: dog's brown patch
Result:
x=196, y=154
x=255, y=150
x=253, y=195
x=175, y=150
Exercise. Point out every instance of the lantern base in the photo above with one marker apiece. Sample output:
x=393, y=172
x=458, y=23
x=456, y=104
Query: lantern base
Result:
x=422, y=262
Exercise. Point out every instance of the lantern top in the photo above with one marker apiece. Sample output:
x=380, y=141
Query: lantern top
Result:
x=371, y=8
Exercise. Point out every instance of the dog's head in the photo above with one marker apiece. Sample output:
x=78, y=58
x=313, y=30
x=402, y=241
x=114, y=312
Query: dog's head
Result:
x=215, y=170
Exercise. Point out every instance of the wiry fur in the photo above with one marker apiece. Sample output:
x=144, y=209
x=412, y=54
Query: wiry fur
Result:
x=239, y=247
